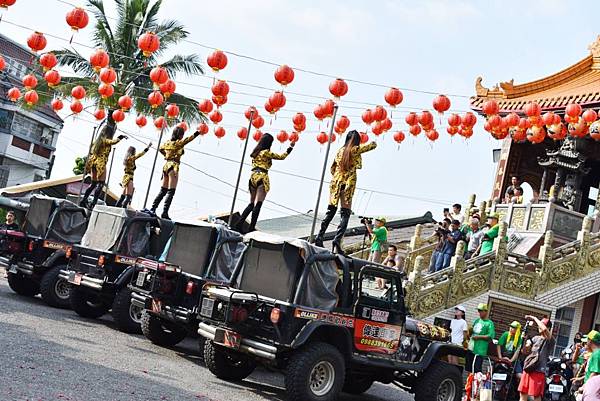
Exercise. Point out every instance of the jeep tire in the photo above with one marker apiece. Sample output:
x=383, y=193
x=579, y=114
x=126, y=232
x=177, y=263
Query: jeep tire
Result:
x=126, y=315
x=355, y=384
x=160, y=331
x=201, y=345
x=23, y=285
x=86, y=304
x=440, y=382
x=226, y=364
x=315, y=373
x=55, y=291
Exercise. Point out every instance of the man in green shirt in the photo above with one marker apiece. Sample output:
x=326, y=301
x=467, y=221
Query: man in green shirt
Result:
x=509, y=347
x=378, y=238
x=593, y=366
x=483, y=333
x=487, y=244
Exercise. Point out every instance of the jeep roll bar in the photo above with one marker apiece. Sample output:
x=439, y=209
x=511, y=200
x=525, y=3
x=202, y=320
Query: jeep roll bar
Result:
x=215, y=255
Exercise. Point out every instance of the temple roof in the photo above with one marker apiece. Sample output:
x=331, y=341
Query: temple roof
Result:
x=579, y=83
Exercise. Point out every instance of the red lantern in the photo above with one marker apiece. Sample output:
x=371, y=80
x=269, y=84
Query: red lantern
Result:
x=393, y=97
x=284, y=75
x=573, y=110
x=172, y=110
x=379, y=113
x=441, y=104
x=524, y=123
x=52, y=77
x=512, y=119
x=300, y=128
x=31, y=97
x=148, y=43
x=217, y=60
x=155, y=99
x=318, y=112
x=494, y=120
x=251, y=113
x=277, y=100
x=29, y=82
x=125, y=102
x=432, y=135
x=411, y=118
x=159, y=76
x=452, y=130
x=364, y=138
x=386, y=125
x=322, y=138
x=328, y=106
x=589, y=116
x=548, y=118
x=141, y=121
x=469, y=119
x=106, y=90
x=425, y=118
x=108, y=75
x=257, y=135
x=100, y=114
x=338, y=88
x=578, y=129
x=99, y=60
x=57, y=104
x=294, y=137
x=221, y=88
x=518, y=134
x=557, y=119
x=78, y=92
x=595, y=130
x=299, y=119
x=465, y=132
x=7, y=3
x=532, y=109
x=219, y=100
x=160, y=123
x=168, y=88
x=490, y=107
x=77, y=18
x=377, y=128
x=487, y=126
x=282, y=136
x=183, y=125
x=558, y=131
x=216, y=117
x=48, y=61
x=76, y=107
x=205, y=106
x=414, y=130
x=202, y=128
x=219, y=132
x=367, y=116
x=118, y=116
x=344, y=123
x=2, y=62
x=242, y=133
x=258, y=122
x=536, y=134
x=269, y=107
x=399, y=136
x=37, y=42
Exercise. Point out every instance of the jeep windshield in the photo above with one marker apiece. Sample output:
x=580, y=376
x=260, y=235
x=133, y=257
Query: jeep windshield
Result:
x=55, y=219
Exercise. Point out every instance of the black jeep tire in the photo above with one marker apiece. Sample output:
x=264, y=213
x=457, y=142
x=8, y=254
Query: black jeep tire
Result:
x=160, y=331
x=225, y=364
x=23, y=285
x=201, y=345
x=126, y=315
x=86, y=304
x=440, y=382
x=55, y=291
x=315, y=373
x=355, y=384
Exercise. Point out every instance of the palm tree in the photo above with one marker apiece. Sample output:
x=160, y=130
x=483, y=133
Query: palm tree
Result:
x=119, y=39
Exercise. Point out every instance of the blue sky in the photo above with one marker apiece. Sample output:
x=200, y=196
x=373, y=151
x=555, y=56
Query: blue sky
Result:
x=432, y=45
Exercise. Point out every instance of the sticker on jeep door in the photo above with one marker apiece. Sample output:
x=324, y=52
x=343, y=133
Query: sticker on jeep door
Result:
x=376, y=337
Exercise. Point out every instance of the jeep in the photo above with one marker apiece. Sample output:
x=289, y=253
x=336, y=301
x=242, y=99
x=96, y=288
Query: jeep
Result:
x=320, y=319
x=51, y=227
x=101, y=266
x=168, y=290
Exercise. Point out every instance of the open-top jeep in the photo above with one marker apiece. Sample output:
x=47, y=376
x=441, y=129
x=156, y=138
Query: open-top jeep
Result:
x=101, y=266
x=169, y=289
x=320, y=318
x=51, y=227
x=11, y=240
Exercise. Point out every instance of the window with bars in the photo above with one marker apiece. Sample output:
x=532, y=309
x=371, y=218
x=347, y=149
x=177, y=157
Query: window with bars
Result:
x=4, y=171
x=563, y=324
x=15, y=68
x=26, y=127
x=5, y=119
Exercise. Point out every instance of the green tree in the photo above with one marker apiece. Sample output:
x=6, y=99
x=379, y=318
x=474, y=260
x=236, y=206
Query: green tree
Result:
x=79, y=167
x=119, y=39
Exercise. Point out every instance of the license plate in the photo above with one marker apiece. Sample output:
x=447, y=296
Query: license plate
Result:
x=499, y=376
x=207, y=307
x=75, y=278
x=141, y=279
x=555, y=388
x=13, y=269
x=156, y=306
x=228, y=338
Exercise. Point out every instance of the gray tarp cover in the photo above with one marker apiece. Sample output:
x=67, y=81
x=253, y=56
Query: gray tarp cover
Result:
x=229, y=250
x=320, y=289
x=105, y=226
x=55, y=219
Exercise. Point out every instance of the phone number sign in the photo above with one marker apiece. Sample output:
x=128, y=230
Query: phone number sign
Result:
x=376, y=337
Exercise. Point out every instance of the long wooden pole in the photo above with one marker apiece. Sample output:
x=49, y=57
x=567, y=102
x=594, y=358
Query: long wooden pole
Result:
x=237, y=184
x=162, y=131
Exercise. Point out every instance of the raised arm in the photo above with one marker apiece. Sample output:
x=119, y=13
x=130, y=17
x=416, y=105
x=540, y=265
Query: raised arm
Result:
x=190, y=138
x=367, y=148
x=280, y=156
x=143, y=152
x=114, y=141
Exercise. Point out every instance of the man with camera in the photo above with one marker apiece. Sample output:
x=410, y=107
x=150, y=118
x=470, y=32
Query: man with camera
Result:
x=440, y=231
x=378, y=234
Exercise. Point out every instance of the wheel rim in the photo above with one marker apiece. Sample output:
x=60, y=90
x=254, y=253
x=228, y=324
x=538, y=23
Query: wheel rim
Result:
x=135, y=313
x=62, y=289
x=446, y=390
x=322, y=378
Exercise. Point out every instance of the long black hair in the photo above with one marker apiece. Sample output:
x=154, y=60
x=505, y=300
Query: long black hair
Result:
x=107, y=132
x=265, y=142
x=130, y=153
x=352, y=140
x=177, y=133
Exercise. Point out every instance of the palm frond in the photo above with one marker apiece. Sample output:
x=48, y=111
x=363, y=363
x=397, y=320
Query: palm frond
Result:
x=75, y=61
x=103, y=35
x=189, y=64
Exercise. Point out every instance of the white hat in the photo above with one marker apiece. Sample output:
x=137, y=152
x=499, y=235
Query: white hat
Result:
x=461, y=308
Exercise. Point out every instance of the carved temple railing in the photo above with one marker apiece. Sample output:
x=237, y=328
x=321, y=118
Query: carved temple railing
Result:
x=501, y=271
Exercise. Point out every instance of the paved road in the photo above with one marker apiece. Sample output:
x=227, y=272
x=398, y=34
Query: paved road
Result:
x=51, y=354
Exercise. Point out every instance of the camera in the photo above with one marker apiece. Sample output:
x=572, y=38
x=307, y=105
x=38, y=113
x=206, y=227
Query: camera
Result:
x=366, y=220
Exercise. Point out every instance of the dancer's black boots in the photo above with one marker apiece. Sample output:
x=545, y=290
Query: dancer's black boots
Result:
x=255, y=213
x=87, y=194
x=238, y=225
x=158, y=199
x=341, y=230
x=121, y=201
x=97, y=192
x=331, y=210
x=167, y=206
